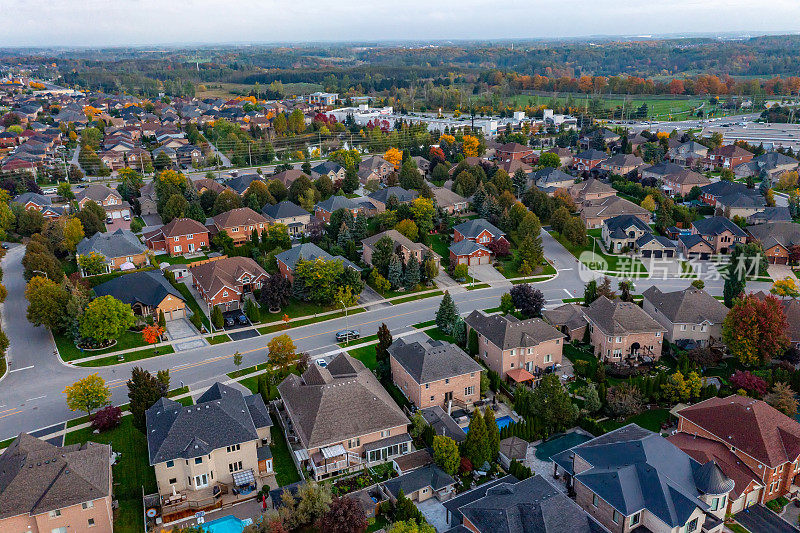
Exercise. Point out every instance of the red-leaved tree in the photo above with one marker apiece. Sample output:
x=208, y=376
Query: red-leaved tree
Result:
x=106, y=418
x=500, y=247
x=151, y=334
x=747, y=381
x=755, y=329
x=345, y=515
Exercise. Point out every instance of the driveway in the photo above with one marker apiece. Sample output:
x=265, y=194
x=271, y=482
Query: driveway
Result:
x=777, y=272
x=487, y=274
x=118, y=223
x=153, y=221
x=758, y=518
x=369, y=295
x=435, y=513
x=182, y=329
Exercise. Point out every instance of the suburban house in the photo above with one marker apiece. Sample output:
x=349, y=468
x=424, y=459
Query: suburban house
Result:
x=478, y=230
x=688, y=154
x=508, y=505
x=551, y=179
x=225, y=281
x=742, y=205
x=287, y=177
x=421, y=484
x=714, y=193
x=760, y=445
x=324, y=209
x=467, y=252
x=374, y=168
x=728, y=156
x=779, y=240
x=340, y=419
x=41, y=203
x=602, y=135
x=449, y=201
x=658, y=171
x=768, y=166
x=594, y=212
x=381, y=197
x=148, y=293
x=241, y=182
x=564, y=155
x=295, y=218
x=688, y=315
x=513, y=152
x=694, y=246
x=402, y=245
x=122, y=250
x=772, y=213
x=568, y=319
x=722, y=234
x=675, y=179
x=56, y=489
x=621, y=232
x=632, y=478
x=179, y=236
x=239, y=224
x=588, y=159
x=332, y=169
x=307, y=251
x=109, y=199
x=148, y=201
x=519, y=350
x=621, y=164
x=212, y=448
x=435, y=373
x=621, y=332
x=590, y=189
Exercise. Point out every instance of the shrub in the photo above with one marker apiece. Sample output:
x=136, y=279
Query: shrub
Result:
x=460, y=271
x=106, y=418
x=196, y=321
x=216, y=317
x=749, y=382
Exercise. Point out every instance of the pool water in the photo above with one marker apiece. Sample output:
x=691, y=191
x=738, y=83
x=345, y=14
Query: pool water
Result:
x=226, y=524
x=502, y=422
x=547, y=449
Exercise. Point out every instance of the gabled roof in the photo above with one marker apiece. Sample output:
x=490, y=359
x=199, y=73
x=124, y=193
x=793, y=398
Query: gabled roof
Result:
x=121, y=243
x=37, y=477
x=373, y=162
x=327, y=166
x=221, y=417
x=508, y=332
x=591, y=186
x=178, y=227
x=402, y=195
x=342, y=401
x=97, y=193
x=730, y=150
x=427, y=476
x=664, y=168
x=397, y=238
x=32, y=197
x=717, y=226
x=241, y=182
x=547, y=176
x=241, y=216
x=336, y=202
x=284, y=209
x=446, y=198
x=309, y=251
x=215, y=275
x=625, y=222
x=620, y=318
x=432, y=360
x=443, y=424
x=466, y=247
x=785, y=234
x=569, y=315
x=611, y=206
x=623, y=160
x=689, y=306
x=692, y=240
x=725, y=188
x=592, y=155
x=472, y=228
x=752, y=426
x=148, y=288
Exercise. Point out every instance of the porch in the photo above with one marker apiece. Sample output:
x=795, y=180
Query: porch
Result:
x=333, y=460
x=180, y=504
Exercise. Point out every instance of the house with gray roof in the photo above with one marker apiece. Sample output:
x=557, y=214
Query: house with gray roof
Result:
x=691, y=315
x=122, y=250
x=622, y=232
x=295, y=218
x=147, y=292
x=519, y=350
x=621, y=332
x=478, y=230
x=551, y=179
x=768, y=166
x=202, y=450
x=41, y=203
x=443, y=423
x=777, y=238
x=332, y=169
x=421, y=484
x=60, y=487
x=324, y=209
x=382, y=197
x=307, y=251
x=435, y=372
x=633, y=478
x=241, y=183
x=721, y=233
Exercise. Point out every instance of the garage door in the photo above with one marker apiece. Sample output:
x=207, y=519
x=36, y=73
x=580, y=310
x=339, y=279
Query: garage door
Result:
x=705, y=255
x=126, y=212
x=657, y=254
x=176, y=313
x=116, y=214
x=668, y=253
x=646, y=253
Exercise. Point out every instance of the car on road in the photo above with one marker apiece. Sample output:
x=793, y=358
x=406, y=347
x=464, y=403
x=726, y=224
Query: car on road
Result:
x=229, y=321
x=242, y=320
x=321, y=363
x=5, y=246
x=347, y=335
x=49, y=190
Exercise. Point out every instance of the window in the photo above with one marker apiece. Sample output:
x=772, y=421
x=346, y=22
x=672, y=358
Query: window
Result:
x=190, y=236
x=170, y=464
x=234, y=448
x=548, y=358
x=431, y=398
x=619, y=339
x=59, y=530
x=224, y=294
x=635, y=519
x=177, y=249
x=173, y=480
x=469, y=391
x=722, y=502
x=658, y=333
x=91, y=522
x=55, y=513
x=235, y=466
x=691, y=526
x=683, y=327
x=198, y=460
x=447, y=380
x=427, y=385
x=385, y=433
x=87, y=505
x=595, y=500
x=715, y=504
x=201, y=481
x=513, y=352
x=354, y=443
x=425, y=491
x=176, y=239
x=615, y=516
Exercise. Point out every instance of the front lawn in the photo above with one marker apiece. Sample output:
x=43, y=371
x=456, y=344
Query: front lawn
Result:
x=129, y=357
x=218, y=339
x=615, y=263
x=362, y=340
x=188, y=297
x=413, y=297
x=178, y=259
x=439, y=245
x=439, y=335
x=70, y=352
x=651, y=419
x=282, y=462
x=131, y=473
x=306, y=321
x=365, y=354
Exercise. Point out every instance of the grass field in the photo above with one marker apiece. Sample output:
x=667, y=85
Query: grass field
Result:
x=365, y=354
x=651, y=420
x=622, y=264
x=218, y=339
x=70, y=352
x=305, y=321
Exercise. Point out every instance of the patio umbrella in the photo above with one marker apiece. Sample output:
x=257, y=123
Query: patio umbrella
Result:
x=264, y=502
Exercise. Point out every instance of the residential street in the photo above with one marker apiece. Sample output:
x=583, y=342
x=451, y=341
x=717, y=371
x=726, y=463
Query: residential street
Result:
x=32, y=398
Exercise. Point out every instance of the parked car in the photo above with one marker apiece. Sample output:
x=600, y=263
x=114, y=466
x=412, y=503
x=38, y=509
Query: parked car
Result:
x=5, y=246
x=347, y=335
x=321, y=362
x=242, y=319
x=229, y=321
x=126, y=218
x=109, y=220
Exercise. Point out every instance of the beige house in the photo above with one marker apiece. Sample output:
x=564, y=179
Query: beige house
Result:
x=295, y=218
x=519, y=350
x=594, y=212
x=403, y=246
x=339, y=419
x=590, y=189
x=55, y=489
x=435, y=373
x=623, y=332
x=690, y=314
x=212, y=448
x=449, y=201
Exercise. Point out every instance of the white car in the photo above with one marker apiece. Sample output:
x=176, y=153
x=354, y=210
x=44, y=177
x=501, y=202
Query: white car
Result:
x=321, y=363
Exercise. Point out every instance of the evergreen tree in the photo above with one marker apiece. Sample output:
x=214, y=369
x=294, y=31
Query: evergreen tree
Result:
x=395, y=271
x=734, y=286
x=460, y=332
x=359, y=231
x=531, y=250
x=350, y=182
x=344, y=236
x=476, y=447
x=520, y=182
x=412, y=275
x=590, y=292
x=144, y=389
x=447, y=313
x=492, y=433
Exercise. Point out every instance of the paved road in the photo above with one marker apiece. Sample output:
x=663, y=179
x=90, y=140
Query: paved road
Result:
x=33, y=398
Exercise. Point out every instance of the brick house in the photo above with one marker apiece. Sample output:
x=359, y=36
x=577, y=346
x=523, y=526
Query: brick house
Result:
x=239, y=224
x=381, y=197
x=513, y=152
x=374, y=168
x=41, y=203
x=332, y=169
x=467, y=252
x=109, y=199
x=148, y=293
x=56, y=488
x=588, y=159
x=478, y=230
x=621, y=164
x=690, y=314
x=519, y=350
x=435, y=373
x=403, y=246
x=622, y=332
x=590, y=189
x=295, y=218
x=179, y=236
x=777, y=238
x=226, y=280
x=728, y=156
x=722, y=234
x=307, y=251
x=122, y=249
x=341, y=419
x=323, y=210
x=449, y=201
x=760, y=437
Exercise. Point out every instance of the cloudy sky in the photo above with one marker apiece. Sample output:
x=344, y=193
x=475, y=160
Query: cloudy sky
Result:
x=146, y=22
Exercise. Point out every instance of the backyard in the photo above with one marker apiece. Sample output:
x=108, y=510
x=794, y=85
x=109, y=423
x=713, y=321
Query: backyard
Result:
x=285, y=470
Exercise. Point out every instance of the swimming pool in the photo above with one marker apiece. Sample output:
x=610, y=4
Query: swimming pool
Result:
x=549, y=448
x=226, y=524
x=502, y=422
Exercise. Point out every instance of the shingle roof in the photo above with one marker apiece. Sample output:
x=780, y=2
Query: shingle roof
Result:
x=624, y=222
x=121, y=243
x=221, y=417
x=466, y=247
x=317, y=401
x=446, y=198
x=786, y=234
x=241, y=216
x=148, y=288
x=569, y=315
x=472, y=228
x=242, y=182
x=716, y=226
x=620, y=318
x=96, y=192
x=36, y=198
x=397, y=238
x=37, y=477
x=548, y=175
x=691, y=240
x=336, y=202
x=432, y=360
x=507, y=332
x=327, y=166
x=427, y=476
x=309, y=251
x=611, y=206
x=592, y=155
x=689, y=306
x=402, y=195
x=284, y=209
x=181, y=226
x=664, y=168
x=213, y=276
x=443, y=424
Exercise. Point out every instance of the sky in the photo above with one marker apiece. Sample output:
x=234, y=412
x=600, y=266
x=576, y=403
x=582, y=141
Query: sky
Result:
x=173, y=22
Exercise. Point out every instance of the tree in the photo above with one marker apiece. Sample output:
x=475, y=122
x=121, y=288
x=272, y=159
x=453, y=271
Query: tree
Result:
x=351, y=181
x=470, y=145
x=507, y=304
x=106, y=418
x=492, y=433
x=476, y=446
x=394, y=157
x=382, y=254
x=699, y=284
x=783, y=399
x=412, y=275
x=314, y=501
x=551, y=402
x=384, y=341
x=528, y=300
x=65, y=191
x=275, y=293
x=626, y=289
x=446, y=314
x=73, y=233
x=87, y=394
x=410, y=176
x=623, y=400
x=225, y=201
x=144, y=389
x=410, y=526
x=93, y=217
x=408, y=228
x=237, y=360
x=649, y=203
x=105, y=318
x=591, y=398
x=345, y=515
x=749, y=382
x=152, y=334
x=531, y=251
x=755, y=329
x=92, y=263
x=590, y=292
x=785, y=288
x=732, y=289
x=604, y=289
x=519, y=182
x=281, y=350
x=395, y=276
x=549, y=159
x=47, y=303
x=217, y=319
x=345, y=297
x=445, y=454
x=380, y=283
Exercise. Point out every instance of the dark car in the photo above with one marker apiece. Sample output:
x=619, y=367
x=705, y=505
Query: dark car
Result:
x=229, y=321
x=242, y=319
x=5, y=246
x=347, y=335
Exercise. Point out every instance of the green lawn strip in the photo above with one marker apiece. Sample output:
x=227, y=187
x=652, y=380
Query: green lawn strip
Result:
x=131, y=473
x=192, y=303
x=737, y=528
x=438, y=335
x=70, y=352
x=365, y=354
x=651, y=419
x=285, y=471
x=478, y=286
x=439, y=245
x=306, y=321
x=398, y=294
x=575, y=354
x=489, y=311
x=424, y=324
x=178, y=259
x=414, y=297
x=218, y=339
x=614, y=262
x=248, y=370
x=130, y=356
x=362, y=340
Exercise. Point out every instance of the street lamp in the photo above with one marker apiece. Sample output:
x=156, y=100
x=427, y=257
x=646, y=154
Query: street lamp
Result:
x=346, y=327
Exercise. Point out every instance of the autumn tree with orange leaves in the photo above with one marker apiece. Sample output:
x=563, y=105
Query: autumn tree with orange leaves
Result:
x=394, y=157
x=152, y=334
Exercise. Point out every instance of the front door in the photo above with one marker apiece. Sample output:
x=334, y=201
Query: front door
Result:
x=448, y=396
x=201, y=481
x=191, y=247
